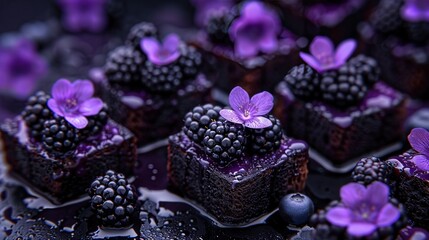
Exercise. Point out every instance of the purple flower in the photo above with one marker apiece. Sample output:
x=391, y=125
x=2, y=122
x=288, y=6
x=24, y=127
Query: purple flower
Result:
x=20, y=68
x=74, y=101
x=162, y=54
x=415, y=10
x=81, y=15
x=419, y=141
x=248, y=111
x=255, y=30
x=364, y=210
x=324, y=56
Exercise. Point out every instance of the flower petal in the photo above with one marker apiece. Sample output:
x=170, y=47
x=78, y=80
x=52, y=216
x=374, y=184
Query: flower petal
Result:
x=321, y=46
x=421, y=161
x=263, y=102
x=244, y=48
x=171, y=42
x=91, y=107
x=258, y=122
x=360, y=229
x=344, y=51
x=419, y=140
x=62, y=89
x=238, y=97
x=313, y=62
x=22, y=87
x=53, y=105
x=78, y=122
x=339, y=216
x=352, y=194
x=377, y=194
x=230, y=115
x=269, y=43
x=83, y=90
x=388, y=215
x=150, y=46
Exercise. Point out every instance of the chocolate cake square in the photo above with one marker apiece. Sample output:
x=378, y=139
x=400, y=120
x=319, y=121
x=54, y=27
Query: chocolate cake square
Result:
x=243, y=190
x=63, y=177
x=344, y=134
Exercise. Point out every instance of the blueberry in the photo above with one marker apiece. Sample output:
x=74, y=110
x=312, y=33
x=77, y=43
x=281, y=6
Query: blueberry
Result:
x=296, y=208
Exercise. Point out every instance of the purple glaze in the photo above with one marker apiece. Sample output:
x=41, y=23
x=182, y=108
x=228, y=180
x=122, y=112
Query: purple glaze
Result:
x=331, y=14
x=404, y=163
x=381, y=96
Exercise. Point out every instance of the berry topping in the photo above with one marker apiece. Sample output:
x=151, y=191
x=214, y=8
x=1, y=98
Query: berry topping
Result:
x=218, y=26
x=162, y=79
x=386, y=17
x=96, y=123
x=197, y=121
x=36, y=113
x=267, y=139
x=296, y=208
x=123, y=67
x=139, y=31
x=367, y=67
x=369, y=170
x=343, y=87
x=190, y=60
x=224, y=141
x=59, y=136
x=303, y=81
x=113, y=199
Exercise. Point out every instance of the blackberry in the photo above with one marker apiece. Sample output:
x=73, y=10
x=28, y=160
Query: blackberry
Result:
x=123, y=67
x=303, y=81
x=386, y=17
x=36, y=112
x=343, y=87
x=113, y=199
x=217, y=27
x=59, y=136
x=224, y=141
x=267, y=139
x=96, y=123
x=367, y=67
x=197, y=121
x=139, y=31
x=190, y=61
x=370, y=169
x=166, y=78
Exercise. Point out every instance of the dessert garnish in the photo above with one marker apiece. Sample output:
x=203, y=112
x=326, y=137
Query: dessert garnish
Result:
x=369, y=170
x=162, y=53
x=296, y=208
x=325, y=57
x=74, y=101
x=84, y=15
x=20, y=68
x=415, y=10
x=255, y=30
x=249, y=111
x=419, y=141
x=364, y=209
x=198, y=120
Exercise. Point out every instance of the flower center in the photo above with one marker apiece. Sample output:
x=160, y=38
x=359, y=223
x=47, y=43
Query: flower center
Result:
x=19, y=68
x=71, y=105
x=366, y=213
x=326, y=59
x=253, y=31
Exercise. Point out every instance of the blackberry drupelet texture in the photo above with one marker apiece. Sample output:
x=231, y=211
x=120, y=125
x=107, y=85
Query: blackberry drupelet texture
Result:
x=123, y=67
x=36, y=112
x=162, y=79
x=113, y=199
x=218, y=27
x=59, y=136
x=139, y=31
x=303, y=81
x=370, y=169
x=190, y=61
x=367, y=67
x=343, y=87
x=224, y=141
x=264, y=140
x=386, y=17
x=96, y=123
x=198, y=120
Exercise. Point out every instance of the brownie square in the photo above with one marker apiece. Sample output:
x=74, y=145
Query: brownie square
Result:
x=150, y=116
x=258, y=73
x=62, y=178
x=341, y=135
x=410, y=186
x=245, y=189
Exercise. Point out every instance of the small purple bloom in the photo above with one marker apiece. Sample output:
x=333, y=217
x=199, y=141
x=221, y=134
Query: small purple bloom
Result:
x=162, y=54
x=419, y=141
x=415, y=10
x=324, y=56
x=74, y=101
x=248, y=111
x=255, y=30
x=365, y=209
x=20, y=68
x=84, y=15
